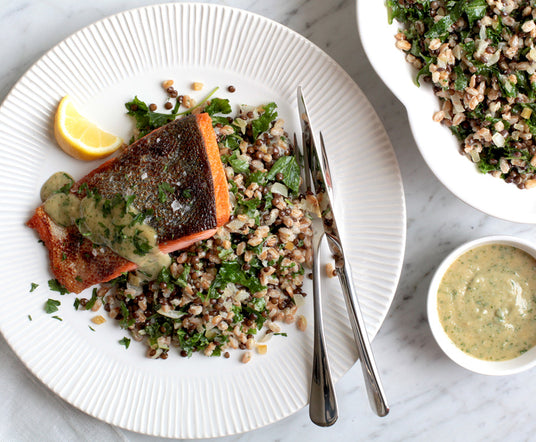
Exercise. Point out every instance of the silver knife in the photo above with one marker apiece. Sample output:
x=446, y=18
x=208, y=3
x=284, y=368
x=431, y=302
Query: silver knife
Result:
x=322, y=183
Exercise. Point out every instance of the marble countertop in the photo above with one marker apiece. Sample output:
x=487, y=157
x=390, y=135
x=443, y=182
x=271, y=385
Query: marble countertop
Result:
x=431, y=398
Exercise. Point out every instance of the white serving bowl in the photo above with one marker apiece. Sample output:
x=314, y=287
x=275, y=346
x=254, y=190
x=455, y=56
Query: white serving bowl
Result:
x=439, y=148
x=516, y=365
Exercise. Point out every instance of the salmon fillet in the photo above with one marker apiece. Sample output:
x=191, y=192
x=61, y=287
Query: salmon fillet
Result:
x=183, y=154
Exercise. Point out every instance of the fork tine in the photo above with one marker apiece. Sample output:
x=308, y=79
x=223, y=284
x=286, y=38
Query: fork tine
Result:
x=325, y=163
x=297, y=154
x=305, y=172
x=306, y=155
x=298, y=157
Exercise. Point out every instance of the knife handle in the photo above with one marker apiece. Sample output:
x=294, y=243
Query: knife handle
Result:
x=373, y=384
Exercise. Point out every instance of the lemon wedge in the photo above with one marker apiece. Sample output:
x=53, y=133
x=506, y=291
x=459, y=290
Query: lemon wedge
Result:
x=79, y=137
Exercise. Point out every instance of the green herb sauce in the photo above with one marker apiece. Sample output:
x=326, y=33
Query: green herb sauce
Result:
x=62, y=208
x=112, y=223
x=59, y=182
x=487, y=302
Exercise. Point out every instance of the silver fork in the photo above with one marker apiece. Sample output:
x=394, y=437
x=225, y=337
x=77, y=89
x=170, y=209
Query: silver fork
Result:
x=322, y=400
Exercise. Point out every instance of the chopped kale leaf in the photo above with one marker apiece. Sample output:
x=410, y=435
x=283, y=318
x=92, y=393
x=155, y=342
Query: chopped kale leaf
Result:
x=288, y=167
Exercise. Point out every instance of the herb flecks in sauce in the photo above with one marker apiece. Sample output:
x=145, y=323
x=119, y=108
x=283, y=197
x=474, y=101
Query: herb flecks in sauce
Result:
x=60, y=182
x=114, y=223
x=62, y=208
x=486, y=302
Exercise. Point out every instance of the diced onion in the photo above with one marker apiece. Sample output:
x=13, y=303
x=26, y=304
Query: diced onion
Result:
x=244, y=110
x=210, y=334
x=279, y=188
x=163, y=342
x=458, y=106
x=240, y=296
x=494, y=58
x=135, y=290
x=482, y=45
x=474, y=156
x=299, y=300
x=498, y=139
x=235, y=225
x=312, y=206
x=229, y=290
x=158, y=352
x=266, y=337
x=172, y=314
x=242, y=124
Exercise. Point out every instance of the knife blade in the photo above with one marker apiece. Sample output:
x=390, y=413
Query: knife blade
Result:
x=316, y=157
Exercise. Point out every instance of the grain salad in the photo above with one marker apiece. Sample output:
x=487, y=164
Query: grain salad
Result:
x=233, y=290
x=480, y=57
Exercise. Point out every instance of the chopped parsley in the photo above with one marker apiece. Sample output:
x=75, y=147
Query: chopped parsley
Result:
x=125, y=342
x=198, y=341
x=141, y=244
x=163, y=190
x=218, y=106
x=262, y=123
x=239, y=165
x=67, y=186
x=92, y=301
x=259, y=318
x=126, y=321
x=55, y=286
x=187, y=193
x=140, y=217
x=51, y=305
x=231, y=271
x=147, y=120
x=181, y=280
x=33, y=286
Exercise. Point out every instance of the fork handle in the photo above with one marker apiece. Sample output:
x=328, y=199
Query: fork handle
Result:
x=322, y=400
x=373, y=384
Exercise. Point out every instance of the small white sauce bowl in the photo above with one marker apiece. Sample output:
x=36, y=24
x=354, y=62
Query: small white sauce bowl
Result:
x=496, y=368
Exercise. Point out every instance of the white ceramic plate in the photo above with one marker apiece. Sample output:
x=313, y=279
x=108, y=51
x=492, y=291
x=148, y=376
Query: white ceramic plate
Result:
x=439, y=148
x=102, y=67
